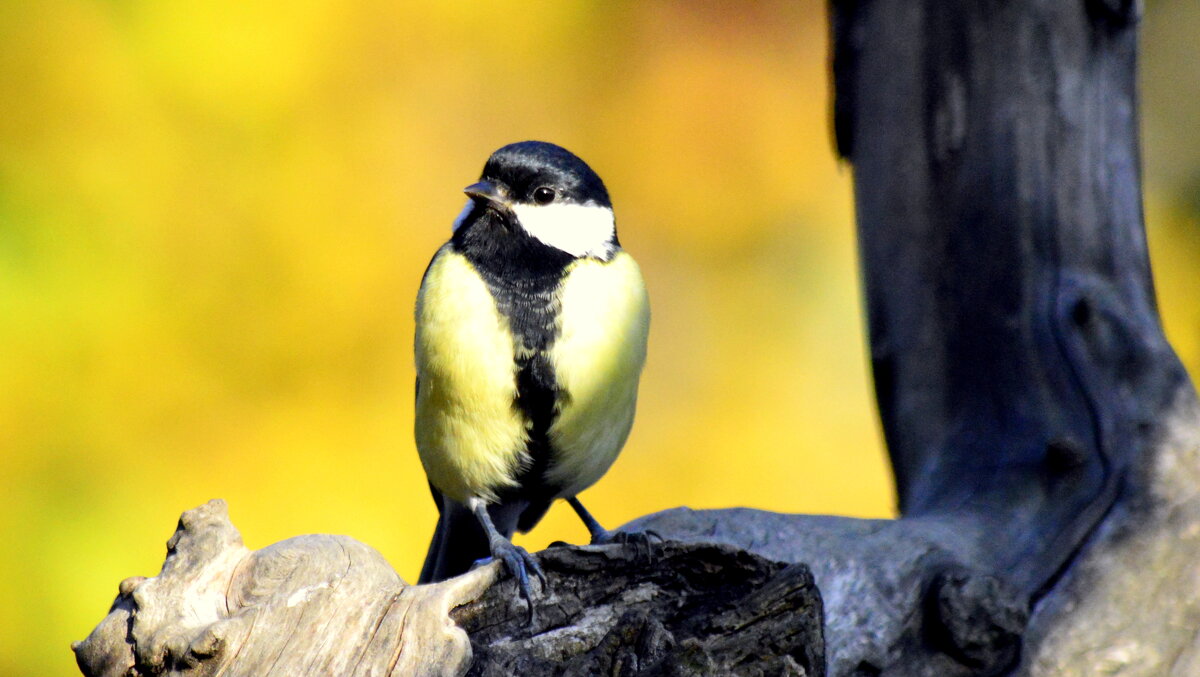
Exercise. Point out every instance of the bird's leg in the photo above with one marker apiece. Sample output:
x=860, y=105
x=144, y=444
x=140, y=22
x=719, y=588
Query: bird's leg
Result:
x=516, y=559
x=602, y=536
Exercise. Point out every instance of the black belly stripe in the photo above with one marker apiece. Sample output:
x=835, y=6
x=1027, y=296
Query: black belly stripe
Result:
x=524, y=275
x=537, y=398
x=532, y=315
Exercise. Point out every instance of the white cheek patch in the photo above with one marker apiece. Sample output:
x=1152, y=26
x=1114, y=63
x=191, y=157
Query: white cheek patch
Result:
x=462, y=216
x=579, y=230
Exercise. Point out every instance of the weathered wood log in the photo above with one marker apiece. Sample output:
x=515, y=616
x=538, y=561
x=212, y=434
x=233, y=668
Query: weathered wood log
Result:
x=329, y=605
x=675, y=608
x=320, y=605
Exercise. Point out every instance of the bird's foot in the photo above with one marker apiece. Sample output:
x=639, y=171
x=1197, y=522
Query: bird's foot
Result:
x=640, y=540
x=519, y=563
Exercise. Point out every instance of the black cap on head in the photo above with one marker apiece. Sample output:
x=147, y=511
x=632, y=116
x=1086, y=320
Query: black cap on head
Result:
x=525, y=166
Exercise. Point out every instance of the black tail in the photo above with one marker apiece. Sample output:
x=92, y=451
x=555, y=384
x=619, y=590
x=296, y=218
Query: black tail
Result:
x=459, y=539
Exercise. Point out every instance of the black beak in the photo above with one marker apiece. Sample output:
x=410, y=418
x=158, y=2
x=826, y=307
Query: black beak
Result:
x=486, y=191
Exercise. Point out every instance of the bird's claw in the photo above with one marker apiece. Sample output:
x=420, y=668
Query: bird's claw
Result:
x=519, y=563
x=641, y=541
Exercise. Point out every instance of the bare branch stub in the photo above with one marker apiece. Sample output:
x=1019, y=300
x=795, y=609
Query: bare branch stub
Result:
x=308, y=605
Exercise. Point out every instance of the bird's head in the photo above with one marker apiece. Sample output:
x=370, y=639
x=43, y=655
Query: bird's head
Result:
x=540, y=190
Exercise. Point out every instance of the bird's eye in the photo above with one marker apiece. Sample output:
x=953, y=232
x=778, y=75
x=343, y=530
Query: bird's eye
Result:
x=543, y=195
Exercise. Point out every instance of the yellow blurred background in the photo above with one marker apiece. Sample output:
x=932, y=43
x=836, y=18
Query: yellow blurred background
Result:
x=214, y=216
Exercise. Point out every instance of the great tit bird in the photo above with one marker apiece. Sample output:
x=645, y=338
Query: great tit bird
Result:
x=531, y=328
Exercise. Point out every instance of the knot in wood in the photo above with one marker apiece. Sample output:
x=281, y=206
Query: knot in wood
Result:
x=978, y=620
x=1118, y=13
x=1065, y=454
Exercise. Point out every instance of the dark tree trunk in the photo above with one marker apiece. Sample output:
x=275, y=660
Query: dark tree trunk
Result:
x=1045, y=439
x=1042, y=431
x=1018, y=357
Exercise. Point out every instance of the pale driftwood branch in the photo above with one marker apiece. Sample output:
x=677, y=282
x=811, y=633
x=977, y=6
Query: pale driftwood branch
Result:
x=329, y=605
x=322, y=605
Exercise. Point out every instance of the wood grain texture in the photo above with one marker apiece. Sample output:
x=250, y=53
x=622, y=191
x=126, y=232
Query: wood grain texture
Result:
x=310, y=605
x=675, y=608
x=329, y=605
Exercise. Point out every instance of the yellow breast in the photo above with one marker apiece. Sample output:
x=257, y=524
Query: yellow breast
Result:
x=597, y=360
x=470, y=437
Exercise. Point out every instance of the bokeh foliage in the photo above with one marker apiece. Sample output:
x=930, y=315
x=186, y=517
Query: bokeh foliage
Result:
x=214, y=216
